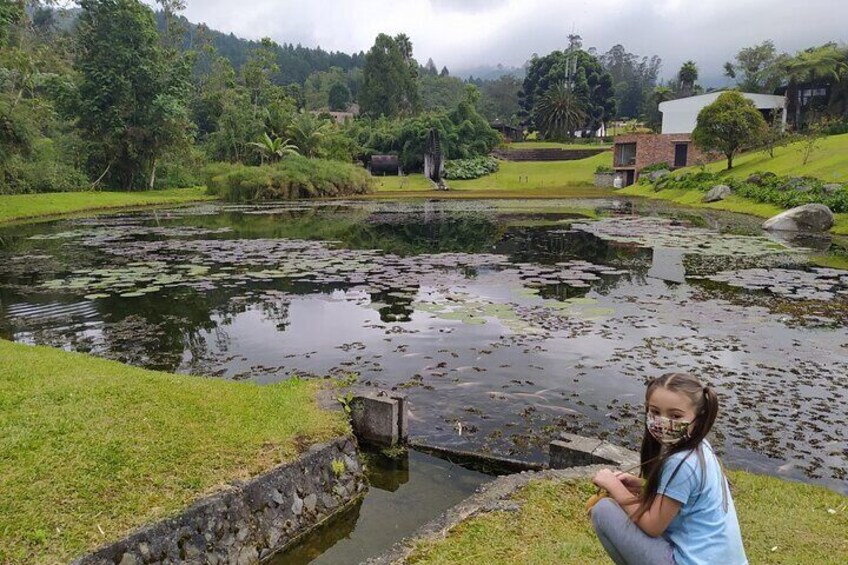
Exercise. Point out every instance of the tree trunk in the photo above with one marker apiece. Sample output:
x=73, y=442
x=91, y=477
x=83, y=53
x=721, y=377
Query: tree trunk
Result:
x=729, y=161
x=152, y=176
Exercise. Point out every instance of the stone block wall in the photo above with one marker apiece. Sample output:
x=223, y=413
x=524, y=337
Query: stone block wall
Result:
x=251, y=521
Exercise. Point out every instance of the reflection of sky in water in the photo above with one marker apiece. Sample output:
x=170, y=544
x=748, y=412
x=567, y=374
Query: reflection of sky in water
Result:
x=511, y=355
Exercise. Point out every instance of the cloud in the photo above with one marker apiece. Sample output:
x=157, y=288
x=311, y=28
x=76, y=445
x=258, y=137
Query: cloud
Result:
x=467, y=33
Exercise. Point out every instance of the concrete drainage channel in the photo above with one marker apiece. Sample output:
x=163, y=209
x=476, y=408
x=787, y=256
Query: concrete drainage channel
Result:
x=319, y=509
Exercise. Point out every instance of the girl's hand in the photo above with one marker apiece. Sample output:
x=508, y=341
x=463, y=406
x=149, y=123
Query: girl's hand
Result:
x=634, y=484
x=605, y=479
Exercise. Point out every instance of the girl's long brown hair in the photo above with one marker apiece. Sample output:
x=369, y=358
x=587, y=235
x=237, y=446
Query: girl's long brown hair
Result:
x=652, y=455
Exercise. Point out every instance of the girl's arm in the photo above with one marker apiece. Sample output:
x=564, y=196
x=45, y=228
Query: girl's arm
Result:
x=653, y=522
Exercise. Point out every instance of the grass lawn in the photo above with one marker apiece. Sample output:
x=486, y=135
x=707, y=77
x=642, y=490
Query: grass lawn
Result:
x=781, y=522
x=26, y=206
x=829, y=162
x=92, y=449
x=525, y=179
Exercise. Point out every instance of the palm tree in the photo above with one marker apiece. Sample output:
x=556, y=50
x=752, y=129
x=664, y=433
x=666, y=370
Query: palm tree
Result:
x=405, y=45
x=828, y=62
x=273, y=148
x=687, y=75
x=307, y=132
x=560, y=112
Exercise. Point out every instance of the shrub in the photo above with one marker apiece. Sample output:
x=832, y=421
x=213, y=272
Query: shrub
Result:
x=603, y=169
x=465, y=169
x=293, y=177
x=781, y=191
x=656, y=167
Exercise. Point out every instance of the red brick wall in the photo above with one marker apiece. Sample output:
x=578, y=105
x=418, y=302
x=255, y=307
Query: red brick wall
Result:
x=659, y=148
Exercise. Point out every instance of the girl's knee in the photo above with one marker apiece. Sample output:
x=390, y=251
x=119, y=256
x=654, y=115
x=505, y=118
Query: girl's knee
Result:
x=604, y=512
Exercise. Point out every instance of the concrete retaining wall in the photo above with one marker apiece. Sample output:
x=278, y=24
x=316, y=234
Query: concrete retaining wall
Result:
x=249, y=522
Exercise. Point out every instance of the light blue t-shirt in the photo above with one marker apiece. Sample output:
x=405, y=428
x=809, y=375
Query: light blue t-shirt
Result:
x=702, y=533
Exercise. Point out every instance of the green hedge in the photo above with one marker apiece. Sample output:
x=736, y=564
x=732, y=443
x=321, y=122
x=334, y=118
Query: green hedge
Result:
x=292, y=178
x=466, y=169
x=763, y=187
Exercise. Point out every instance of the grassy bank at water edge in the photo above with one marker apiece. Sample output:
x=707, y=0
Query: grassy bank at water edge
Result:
x=29, y=206
x=93, y=449
x=781, y=522
x=514, y=179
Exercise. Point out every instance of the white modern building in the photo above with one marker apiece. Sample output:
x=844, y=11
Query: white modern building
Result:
x=680, y=116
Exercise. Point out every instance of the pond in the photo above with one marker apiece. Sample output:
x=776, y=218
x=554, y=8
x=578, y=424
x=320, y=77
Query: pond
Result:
x=504, y=322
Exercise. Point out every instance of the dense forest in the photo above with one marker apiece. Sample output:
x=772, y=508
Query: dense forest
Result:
x=112, y=94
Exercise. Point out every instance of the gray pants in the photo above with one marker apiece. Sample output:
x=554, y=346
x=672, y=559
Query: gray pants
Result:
x=624, y=541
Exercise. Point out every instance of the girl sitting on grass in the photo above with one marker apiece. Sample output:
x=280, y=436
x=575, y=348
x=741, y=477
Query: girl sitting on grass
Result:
x=682, y=513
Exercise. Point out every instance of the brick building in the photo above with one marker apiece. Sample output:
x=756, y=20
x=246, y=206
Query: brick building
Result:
x=634, y=152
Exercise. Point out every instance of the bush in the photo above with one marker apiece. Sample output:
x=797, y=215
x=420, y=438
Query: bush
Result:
x=604, y=169
x=656, y=167
x=466, y=169
x=45, y=170
x=293, y=177
x=781, y=191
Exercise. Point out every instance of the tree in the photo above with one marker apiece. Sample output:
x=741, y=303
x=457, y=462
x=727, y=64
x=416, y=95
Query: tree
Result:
x=584, y=75
x=430, y=68
x=440, y=93
x=653, y=116
x=338, y=99
x=307, y=133
x=273, y=148
x=686, y=77
x=633, y=78
x=10, y=14
x=825, y=63
x=499, y=100
x=560, y=112
x=728, y=125
x=131, y=102
x=389, y=85
x=757, y=68
x=444, y=72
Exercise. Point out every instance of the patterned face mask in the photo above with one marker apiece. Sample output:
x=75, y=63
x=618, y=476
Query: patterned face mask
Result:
x=665, y=430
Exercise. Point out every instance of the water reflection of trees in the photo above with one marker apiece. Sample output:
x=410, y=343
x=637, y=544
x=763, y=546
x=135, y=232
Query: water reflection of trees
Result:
x=403, y=233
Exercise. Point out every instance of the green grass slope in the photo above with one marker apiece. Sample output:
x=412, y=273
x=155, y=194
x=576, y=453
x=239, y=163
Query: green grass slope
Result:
x=829, y=162
x=91, y=449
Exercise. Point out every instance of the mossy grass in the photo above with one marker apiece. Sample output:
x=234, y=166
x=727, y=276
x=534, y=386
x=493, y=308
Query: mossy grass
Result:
x=92, y=449
x=781, y=522
x=33, y=206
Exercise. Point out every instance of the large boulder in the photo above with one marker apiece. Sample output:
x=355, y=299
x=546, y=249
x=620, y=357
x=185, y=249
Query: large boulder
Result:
x=654, y=176
x=806, y=218
x=716, y=193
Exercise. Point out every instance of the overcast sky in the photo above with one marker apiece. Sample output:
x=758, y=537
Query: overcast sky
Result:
x=467, y=33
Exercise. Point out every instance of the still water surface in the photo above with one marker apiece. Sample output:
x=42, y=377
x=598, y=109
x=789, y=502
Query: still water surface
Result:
x=505, y=323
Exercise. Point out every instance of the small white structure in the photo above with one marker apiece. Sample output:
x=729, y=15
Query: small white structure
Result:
x=681, y=116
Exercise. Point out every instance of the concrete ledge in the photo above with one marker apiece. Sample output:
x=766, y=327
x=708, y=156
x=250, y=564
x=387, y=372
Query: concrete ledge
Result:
x=249, y=522
x=483, y=462
x=577, y=451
